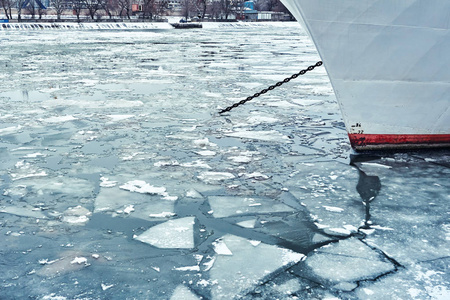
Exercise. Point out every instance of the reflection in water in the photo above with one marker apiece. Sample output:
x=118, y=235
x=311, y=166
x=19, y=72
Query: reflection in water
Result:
x=368, y=187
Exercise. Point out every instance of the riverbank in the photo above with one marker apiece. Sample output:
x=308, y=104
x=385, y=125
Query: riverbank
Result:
x=133, y=25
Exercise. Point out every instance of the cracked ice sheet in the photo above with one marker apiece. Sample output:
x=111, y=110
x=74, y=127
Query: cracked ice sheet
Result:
x=347, y=261
x=419, y=281
x=330, y=197
x=232, y=274
x=416, y=219
x=75, y=187
x=225, y=206
x=23, y=210
x=145, y=206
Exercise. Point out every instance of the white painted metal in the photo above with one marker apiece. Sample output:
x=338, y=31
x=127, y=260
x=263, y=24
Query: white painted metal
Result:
x=388, y=61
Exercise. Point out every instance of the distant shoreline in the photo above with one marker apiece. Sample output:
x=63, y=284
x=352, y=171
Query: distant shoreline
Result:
x=126, y=25
x=125, y=20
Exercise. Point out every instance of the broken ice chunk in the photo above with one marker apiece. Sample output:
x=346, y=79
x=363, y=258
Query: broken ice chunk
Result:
x=206, y=153
x=224, y=206
x=105, y=182
x=240, y=159
x=157, y=269
x=247, y=224
x=140, y=186
x=184, y=293
x=129, y=209
x=76, y=215
x=332, y=208
x=75, y=219
x=203, y=143
x=79, y=260
x=211, y=177
x=188, y=268
x=193, y=194
x=376, y=165
x=164, y=214
x=196, y=164
x=115, y=118
x=64, y=265
x=23, y=210
x=34, y=155
x=221, y=248
x=105, y=286
x=337, y=231
x=255, y=175
x=177, y=233
x=58, y=119
x=209, y=264
x=254, y=243
x=117, y=200
x=269, y=135
x=258, y=119
x=26, y=170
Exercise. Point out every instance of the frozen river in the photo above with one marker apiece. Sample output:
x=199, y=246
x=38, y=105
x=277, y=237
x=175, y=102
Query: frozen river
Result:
x=119, y=179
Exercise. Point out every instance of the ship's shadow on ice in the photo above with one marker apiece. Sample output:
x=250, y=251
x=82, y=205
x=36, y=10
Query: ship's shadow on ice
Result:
x=368, y=187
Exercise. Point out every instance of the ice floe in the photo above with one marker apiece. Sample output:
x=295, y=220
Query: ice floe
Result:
x=347, y=261
x=224, y=206
x=178, y=233
x=269, y=135
x=140, y=186
x=233, y=279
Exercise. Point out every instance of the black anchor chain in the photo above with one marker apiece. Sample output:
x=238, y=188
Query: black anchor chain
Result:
x=302, y=72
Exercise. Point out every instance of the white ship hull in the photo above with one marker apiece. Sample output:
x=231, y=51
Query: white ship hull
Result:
x=389, y=65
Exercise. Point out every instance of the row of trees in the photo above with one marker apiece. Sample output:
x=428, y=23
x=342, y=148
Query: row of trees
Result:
x=59, y=7
x=148, y=9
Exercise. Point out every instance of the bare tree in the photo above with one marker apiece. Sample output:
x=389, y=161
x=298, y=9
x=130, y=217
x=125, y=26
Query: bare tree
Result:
x=77, y=6
x=202, y=4
x=238, y=7
x=124, y=5
x=226, y=7
x=41, y=12
x=20, y=4
x=268, y=5
x=188, y=8
x=31, y=8
x=259, y=4
x=215, y=9
x=161, y=7
x=59, y=6
x=271, y=4
x=93, y=6
x=281, y=8
x=148, y=9
x=108, y=6
x=7, y=6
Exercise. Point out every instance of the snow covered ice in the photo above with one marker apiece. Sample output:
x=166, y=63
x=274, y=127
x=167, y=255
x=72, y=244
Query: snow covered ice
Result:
x=119, y=180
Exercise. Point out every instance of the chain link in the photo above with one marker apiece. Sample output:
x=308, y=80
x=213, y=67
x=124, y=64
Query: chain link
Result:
x=302, y=72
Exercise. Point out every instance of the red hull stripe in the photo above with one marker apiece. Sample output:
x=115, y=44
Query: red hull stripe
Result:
x=368, y=140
